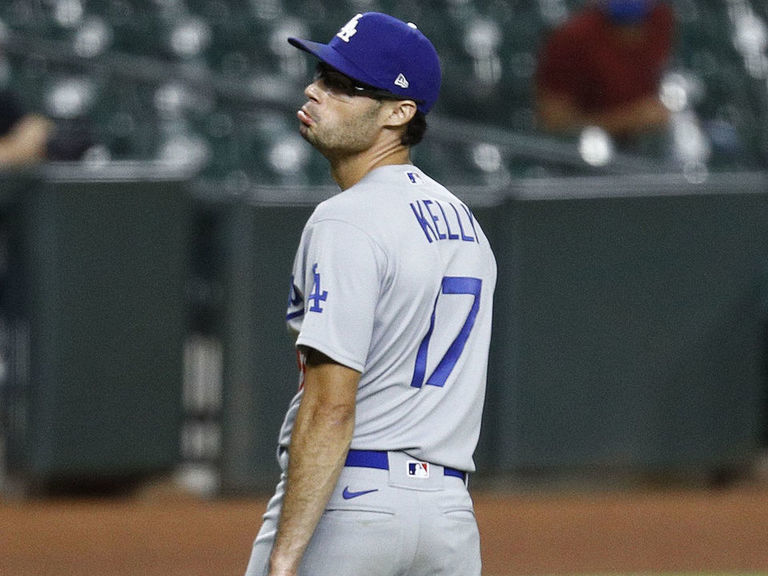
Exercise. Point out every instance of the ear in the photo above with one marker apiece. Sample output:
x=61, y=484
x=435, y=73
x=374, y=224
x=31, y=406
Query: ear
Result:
x=400, y=112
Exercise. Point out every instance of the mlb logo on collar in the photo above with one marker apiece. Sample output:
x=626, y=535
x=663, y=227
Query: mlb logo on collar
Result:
x=418, y=469
x=414, y=177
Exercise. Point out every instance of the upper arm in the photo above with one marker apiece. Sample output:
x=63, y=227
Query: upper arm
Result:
x=342, y=270
x=328, y=383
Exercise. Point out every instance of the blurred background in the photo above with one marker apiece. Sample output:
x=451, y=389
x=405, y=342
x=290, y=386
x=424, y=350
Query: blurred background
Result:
x=145, y=250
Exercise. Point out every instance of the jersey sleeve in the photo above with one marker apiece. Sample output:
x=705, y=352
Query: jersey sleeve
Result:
x=338, y=268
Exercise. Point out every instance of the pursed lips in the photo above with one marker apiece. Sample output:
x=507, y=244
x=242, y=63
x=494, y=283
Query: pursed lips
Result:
x=304, y=116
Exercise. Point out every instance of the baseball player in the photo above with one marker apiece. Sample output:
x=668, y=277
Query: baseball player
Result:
x=391, y=299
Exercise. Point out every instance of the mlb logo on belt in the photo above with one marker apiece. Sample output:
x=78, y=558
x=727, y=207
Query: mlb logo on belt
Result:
x=418, y=469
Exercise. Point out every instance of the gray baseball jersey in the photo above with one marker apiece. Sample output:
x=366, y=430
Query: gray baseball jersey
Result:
x=394, y=278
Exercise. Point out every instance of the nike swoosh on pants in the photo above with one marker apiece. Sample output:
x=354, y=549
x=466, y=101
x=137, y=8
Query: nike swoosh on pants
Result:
x=348, y=494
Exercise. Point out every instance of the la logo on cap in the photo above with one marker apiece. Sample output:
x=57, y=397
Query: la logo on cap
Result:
x=349, y=29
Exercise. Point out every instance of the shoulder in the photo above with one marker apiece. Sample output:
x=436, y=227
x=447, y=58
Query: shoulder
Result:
x=388, y=208
x=376, y=195
x=348, y=206
x=345, y=218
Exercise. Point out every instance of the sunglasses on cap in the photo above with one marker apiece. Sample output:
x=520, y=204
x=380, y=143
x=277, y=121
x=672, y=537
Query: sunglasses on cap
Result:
x=343, y=87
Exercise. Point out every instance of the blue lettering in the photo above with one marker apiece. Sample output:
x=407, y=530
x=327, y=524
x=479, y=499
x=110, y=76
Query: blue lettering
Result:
x=423, y=222
x=447, y=225
x=431, y=223
x=471, y=221
x=435, y=219
x=464, y=236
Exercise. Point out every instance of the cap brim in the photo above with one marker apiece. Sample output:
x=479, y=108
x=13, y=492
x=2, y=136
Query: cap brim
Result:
x=331, y=57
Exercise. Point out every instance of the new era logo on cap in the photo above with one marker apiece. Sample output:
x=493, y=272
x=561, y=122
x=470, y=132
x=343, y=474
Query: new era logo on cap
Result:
x=384, y=52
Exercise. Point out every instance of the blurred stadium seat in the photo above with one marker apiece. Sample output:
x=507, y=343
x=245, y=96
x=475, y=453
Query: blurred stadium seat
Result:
x=178, y=74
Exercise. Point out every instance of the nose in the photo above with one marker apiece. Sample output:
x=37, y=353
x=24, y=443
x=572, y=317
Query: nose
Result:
x=313, y=91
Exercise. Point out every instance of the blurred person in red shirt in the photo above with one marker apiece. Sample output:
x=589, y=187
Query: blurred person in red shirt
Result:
x=603, y=67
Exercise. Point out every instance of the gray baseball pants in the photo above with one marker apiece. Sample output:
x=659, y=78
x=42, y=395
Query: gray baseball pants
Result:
x=407, y=520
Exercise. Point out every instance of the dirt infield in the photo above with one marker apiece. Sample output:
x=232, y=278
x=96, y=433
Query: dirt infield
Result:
x=167, y=534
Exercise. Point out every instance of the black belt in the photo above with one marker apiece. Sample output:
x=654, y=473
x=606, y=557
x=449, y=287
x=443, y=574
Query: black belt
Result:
x=379, y=459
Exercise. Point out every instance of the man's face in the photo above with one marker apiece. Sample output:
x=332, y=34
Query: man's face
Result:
x=339, y=119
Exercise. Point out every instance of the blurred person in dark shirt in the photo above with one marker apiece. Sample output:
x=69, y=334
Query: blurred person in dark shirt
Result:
x=603, y=67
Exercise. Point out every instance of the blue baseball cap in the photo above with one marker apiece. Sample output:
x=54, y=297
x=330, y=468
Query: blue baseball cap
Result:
x=385, y=53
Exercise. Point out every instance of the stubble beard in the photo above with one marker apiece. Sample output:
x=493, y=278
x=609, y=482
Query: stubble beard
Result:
x=347, y=138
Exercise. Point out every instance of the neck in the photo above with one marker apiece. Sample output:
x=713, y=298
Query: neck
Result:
x=349, y=170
